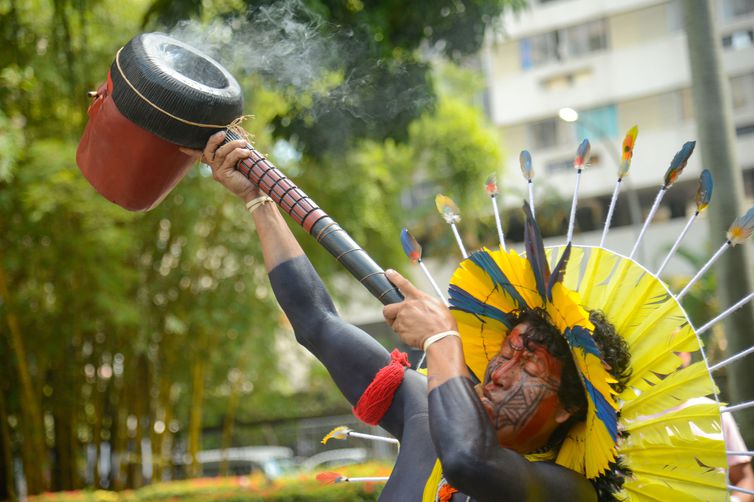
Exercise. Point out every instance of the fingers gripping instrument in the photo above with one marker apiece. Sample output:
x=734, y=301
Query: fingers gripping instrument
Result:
x=316, y=222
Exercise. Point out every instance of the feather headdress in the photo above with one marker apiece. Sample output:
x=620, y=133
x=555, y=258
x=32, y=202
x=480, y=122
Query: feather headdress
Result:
x=656, y=434
x=490, y=285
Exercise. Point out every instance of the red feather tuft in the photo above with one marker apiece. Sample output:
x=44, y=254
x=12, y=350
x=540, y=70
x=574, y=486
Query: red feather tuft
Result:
x=329, y=478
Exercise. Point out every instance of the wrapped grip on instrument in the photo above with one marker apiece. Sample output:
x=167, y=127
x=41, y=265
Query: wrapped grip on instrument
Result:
x=317, y=223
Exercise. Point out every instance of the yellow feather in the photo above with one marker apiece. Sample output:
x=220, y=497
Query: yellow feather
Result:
x=676, y=389
x=649, y=366
x=655, y=490
x=598, y=268
x=687, y=456
x=572, y=451
x=703, y=416
x=340, y=432
x=481, y=339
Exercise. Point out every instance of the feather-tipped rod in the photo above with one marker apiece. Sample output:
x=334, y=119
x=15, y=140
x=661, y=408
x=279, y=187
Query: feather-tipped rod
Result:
x=627, y=155
x=344, y=432
x=450, y=213
x=742, y=228
x=610, y=211
x=737, y=407
x=492, y=190
x=413, y=251
x=330, y=478
x=579, y=163
x=701, y=271
x=702, y=198
x=677, y=165
x=677, y=243
x=738, y=233
x=739, y=489
x=524, y=159
x=650, y=216
x=732, y=359
x=627, y=152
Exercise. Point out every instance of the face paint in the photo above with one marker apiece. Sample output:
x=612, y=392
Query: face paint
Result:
x=520, y=392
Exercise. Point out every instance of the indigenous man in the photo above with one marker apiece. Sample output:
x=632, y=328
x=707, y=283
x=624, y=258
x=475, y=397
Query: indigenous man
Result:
x=486, y=439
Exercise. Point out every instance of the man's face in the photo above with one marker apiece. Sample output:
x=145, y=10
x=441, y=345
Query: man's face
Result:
x=520, y=390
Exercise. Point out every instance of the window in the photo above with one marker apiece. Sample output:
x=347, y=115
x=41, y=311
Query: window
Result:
x=731, y=9
x=742, y=91
x=559, y=166
x=539, y=49
x=738, y=40
x=684, y=104
x=598, y=123
x=585, y=38
x=550, y=133
x=566, y=43
x=675, y=21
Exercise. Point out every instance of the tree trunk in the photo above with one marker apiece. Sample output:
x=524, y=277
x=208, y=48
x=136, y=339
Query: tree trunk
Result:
x=230, y=418
x=716, y=132
x=7, y=490
x=34, y=450
x=120, y=434
x=63, y=468
x=195, y=421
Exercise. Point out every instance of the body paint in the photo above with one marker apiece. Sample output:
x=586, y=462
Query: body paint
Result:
x=520, y=392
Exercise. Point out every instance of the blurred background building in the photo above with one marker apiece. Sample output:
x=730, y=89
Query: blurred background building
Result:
x=560, y=71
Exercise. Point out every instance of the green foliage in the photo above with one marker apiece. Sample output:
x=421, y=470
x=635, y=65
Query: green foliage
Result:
x=116, y=309
x=374, y=80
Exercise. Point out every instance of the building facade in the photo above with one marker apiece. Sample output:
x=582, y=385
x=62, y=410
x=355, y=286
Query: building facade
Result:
x=617, y=63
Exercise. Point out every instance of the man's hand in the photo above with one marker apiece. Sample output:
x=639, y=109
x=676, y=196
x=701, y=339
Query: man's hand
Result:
x=417, y=317
x=223, y=160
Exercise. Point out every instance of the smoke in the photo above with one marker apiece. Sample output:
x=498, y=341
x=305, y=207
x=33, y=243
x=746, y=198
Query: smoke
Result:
x=294, y=50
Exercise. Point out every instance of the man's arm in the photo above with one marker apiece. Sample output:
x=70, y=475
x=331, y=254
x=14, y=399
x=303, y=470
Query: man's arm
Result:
x=351, y=356
x=466, y=442
x=475, y=463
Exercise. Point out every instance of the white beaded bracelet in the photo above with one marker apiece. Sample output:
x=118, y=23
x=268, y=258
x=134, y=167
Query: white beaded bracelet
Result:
x=252, y=205
x=439, y=336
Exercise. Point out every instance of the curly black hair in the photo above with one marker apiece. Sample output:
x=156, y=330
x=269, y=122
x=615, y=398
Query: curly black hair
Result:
x=571, y=393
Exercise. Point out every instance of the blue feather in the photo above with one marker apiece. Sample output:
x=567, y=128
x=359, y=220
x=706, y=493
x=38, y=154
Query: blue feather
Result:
x=484, y=261
x=461, y=300
x=535, y=252
x=605, y=412
x=559, y=271
x=579, y=336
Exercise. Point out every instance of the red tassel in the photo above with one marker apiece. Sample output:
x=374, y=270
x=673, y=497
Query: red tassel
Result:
x=446, y=493
x=378, y=396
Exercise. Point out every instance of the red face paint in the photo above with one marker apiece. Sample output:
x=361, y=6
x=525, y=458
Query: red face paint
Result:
x=520, y=389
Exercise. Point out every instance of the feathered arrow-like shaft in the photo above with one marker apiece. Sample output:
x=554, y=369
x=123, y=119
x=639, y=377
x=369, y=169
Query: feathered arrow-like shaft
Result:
x=739, y=231
x=625, y=164
x=524, y=159
x=703, y=196
x=491, y=187
x=413, y=250
x=677, y=165
x=582, y=159
x=450, y=214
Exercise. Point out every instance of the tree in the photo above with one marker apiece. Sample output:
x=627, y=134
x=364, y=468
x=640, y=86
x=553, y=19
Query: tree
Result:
x=348, y=70
x=125, y=329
